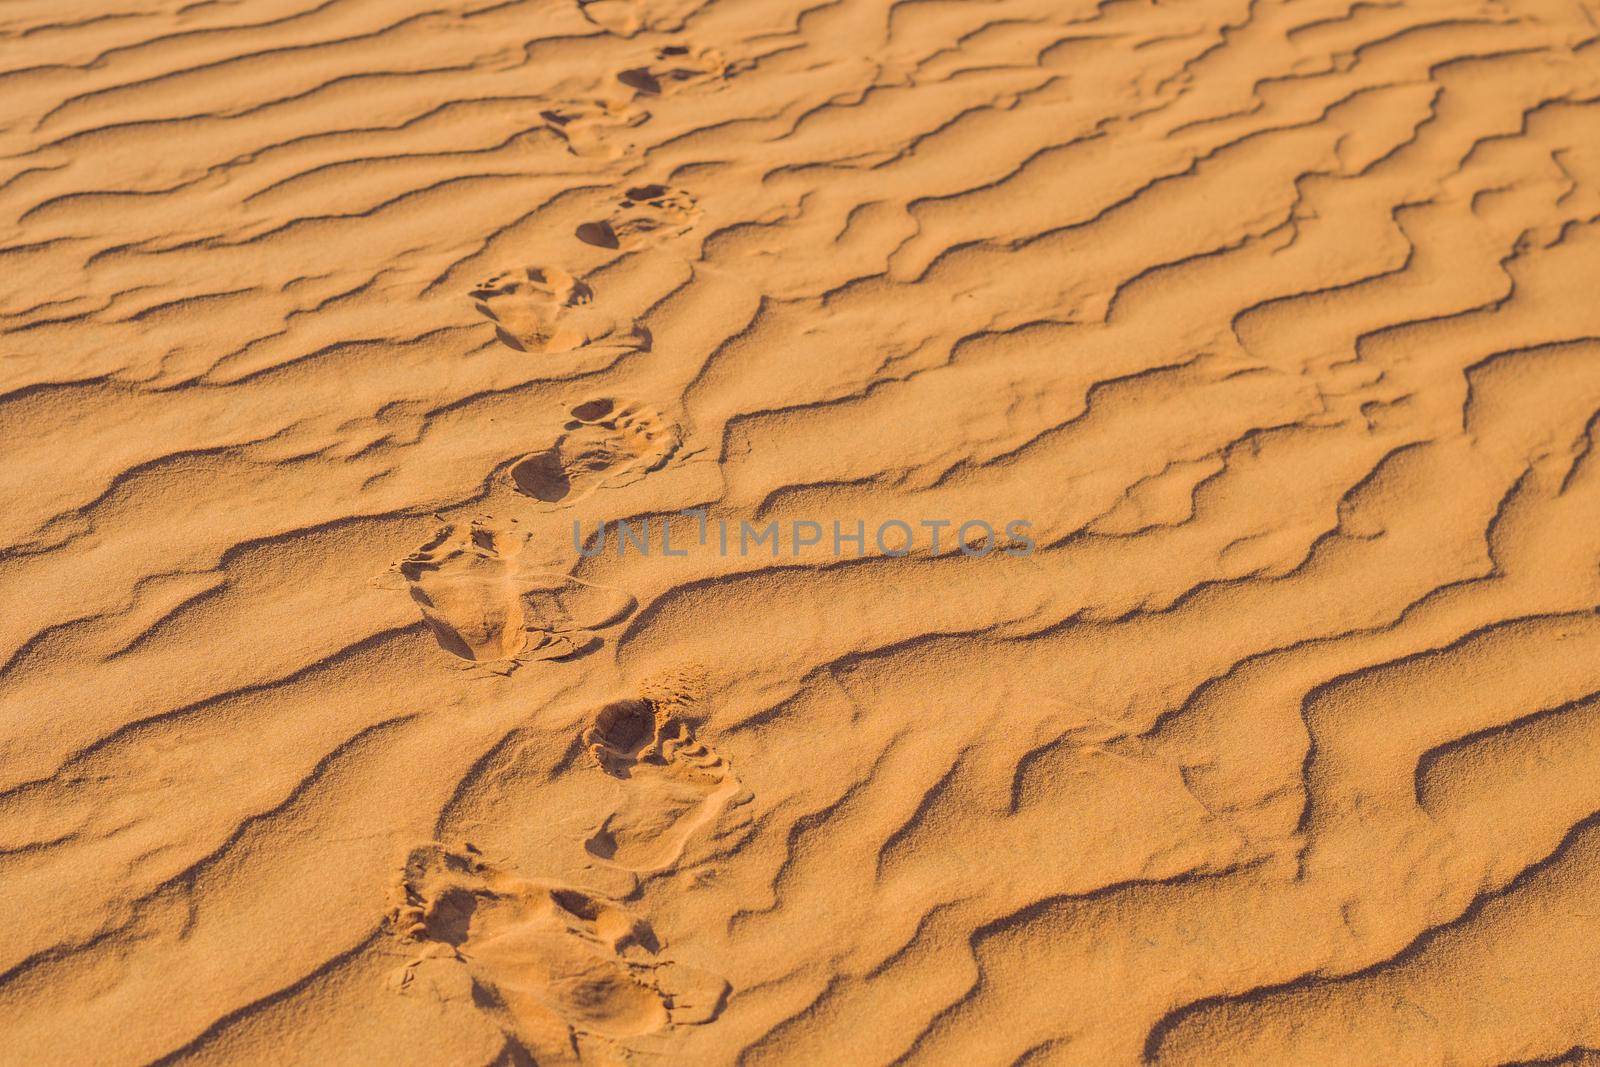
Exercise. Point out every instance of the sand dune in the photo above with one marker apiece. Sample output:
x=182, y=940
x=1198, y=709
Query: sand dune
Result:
x=389, y=393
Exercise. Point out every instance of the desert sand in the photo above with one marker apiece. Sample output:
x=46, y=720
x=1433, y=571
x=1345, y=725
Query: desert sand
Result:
x=340, y=722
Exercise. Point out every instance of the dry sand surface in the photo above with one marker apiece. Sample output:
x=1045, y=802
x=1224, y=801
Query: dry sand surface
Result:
x=1268, y=733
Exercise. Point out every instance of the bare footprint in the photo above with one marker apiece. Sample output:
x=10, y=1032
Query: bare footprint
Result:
x=464, y=583
x=548, y=310
x=563, y=971
x=606, y=442
x=673, y=784
x=528, y=307
x=594, y=128
x=645, y=215
x=483, y=607
x=677, y=67
x=620, y=17
x=628, y=17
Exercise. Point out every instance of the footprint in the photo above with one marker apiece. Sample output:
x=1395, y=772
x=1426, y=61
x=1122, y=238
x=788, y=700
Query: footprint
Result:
x=606, y=441
x=484, y=608
x=528, y=308
x=626, y=18
x=545, y=309
x=614, y=16
x=646, y=214
x=593, y=128
x=464, y=583
x=673, y=784
x=564, y=972
x=677, y=67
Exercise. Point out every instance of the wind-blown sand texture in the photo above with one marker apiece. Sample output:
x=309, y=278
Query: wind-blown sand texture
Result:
x=323, y=321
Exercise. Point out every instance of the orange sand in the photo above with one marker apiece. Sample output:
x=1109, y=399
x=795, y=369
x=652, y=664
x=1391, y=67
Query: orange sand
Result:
x=322, y=322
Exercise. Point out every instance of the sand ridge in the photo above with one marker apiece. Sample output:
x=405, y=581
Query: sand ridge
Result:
x=323, y=323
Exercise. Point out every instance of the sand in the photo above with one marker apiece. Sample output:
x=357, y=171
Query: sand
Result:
x=1258, y=725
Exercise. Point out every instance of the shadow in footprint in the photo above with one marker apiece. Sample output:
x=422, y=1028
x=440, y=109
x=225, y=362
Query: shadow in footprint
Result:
x=599, y=234
x=642, y=79
x=592, y=410
x=542, y=477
